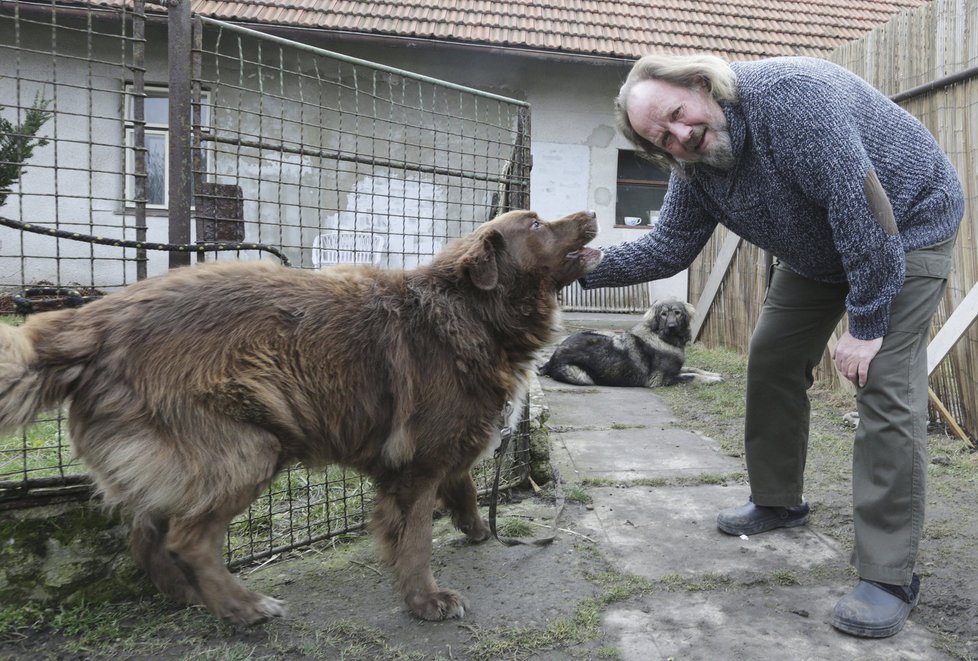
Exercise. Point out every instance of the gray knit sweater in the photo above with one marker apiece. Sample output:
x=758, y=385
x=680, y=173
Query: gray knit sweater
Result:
x=807, y=136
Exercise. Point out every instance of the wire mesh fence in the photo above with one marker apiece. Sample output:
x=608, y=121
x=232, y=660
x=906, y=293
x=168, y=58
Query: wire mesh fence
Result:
x=294, y=153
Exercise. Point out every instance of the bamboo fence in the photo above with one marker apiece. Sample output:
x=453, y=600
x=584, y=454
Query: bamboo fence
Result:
x=913, y=49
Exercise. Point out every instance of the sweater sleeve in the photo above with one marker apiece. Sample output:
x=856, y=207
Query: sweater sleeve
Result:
x=674, y=241
x=818, y=146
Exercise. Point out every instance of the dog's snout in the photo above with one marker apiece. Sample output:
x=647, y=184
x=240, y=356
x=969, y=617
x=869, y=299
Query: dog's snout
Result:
x=589, y=221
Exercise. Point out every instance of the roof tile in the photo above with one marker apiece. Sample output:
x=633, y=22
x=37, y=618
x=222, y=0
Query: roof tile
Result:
x=742, y=29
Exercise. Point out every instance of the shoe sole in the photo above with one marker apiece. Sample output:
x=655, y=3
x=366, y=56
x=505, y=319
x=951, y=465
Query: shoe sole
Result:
x=732, y=530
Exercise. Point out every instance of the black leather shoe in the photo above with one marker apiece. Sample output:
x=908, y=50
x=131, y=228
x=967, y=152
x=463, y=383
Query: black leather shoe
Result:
x=751, y=519
x=876, y=610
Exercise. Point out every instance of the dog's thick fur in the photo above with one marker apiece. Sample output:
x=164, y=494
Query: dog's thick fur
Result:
x=649, y=355
x=189, y=392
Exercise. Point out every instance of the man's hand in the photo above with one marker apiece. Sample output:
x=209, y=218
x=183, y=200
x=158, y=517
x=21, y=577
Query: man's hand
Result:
x=852, y=357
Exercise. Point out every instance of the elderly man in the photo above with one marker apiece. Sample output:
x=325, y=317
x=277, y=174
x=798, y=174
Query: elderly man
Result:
x=860, y=207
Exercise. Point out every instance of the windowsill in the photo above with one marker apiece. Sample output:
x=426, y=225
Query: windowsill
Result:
x=150, y=211
x=633, y=227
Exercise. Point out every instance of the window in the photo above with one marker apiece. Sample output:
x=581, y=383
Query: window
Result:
x=641, y=190
x=156, y=112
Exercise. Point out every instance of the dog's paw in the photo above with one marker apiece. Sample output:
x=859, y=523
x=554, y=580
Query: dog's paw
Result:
x=476, y=532
x=271, y=607
x=255, y=610
x=438, y=605
x=698, y=376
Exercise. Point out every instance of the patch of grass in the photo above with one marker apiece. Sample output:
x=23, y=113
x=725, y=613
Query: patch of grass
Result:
x=723, y=402
x=17, y=622
x=515, y=528
x=517, y=642
x=707, y=582
x=784, y=577
x=620, y=425
x=679, y=481
x=92, y=629
x=708, y=478
x=618, y=586
x=40, y=450
x=578, y=494
x=599, y=482
x=154, y=629
x=351, y=640
x=728, y=362
x=717, y=410
x=655, y=482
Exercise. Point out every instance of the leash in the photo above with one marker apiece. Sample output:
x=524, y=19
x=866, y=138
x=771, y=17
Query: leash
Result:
x=506, y=434
x=51, y=298
x=143, y=245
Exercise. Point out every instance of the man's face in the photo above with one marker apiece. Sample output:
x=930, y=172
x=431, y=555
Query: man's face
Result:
x=686, y=123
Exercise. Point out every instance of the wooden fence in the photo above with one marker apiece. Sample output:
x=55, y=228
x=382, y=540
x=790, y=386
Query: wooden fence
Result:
x=926, y=60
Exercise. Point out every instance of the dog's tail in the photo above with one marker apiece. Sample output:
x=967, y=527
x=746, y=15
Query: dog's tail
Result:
x=27, y=385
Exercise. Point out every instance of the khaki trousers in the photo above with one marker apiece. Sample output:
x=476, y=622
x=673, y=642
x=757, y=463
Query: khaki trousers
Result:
x=889, y=462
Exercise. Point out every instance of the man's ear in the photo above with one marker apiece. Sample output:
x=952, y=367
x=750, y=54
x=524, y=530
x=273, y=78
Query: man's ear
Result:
x=479, y=261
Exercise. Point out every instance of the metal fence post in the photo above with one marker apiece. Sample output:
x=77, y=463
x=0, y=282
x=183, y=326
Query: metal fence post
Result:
x=524, y=161
x=178, y=199
x=139, y=129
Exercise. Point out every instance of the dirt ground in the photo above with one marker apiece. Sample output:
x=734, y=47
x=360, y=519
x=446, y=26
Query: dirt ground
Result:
x=343, y=605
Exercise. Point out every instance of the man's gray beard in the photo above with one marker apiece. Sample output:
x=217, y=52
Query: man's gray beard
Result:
x=720, y=153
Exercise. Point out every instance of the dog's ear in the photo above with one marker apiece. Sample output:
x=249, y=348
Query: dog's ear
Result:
x=479, y=261
x=690, y=310
x=654, y=319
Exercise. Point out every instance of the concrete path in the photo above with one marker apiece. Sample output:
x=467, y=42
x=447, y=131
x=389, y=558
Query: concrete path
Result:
x=625, y=438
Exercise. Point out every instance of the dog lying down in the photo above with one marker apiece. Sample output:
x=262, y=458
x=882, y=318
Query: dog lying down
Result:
x=189, y=392
x=650, y=354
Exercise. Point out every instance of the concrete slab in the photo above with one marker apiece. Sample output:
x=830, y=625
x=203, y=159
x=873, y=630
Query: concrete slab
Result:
x=659, y=531
x=632, y=454
x=599, y=406
x=756, y=624
x=575, y=321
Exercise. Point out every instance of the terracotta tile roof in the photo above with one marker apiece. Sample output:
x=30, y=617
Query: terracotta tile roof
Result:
x=738, y=29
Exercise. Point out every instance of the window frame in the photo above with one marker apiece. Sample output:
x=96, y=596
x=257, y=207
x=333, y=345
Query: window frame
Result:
x=659, y=181
x=157, y=129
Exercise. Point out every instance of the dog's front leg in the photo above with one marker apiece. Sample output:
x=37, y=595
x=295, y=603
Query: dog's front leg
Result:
x=402, y=522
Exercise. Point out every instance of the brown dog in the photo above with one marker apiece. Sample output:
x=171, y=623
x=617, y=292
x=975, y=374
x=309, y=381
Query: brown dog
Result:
x=190, y=391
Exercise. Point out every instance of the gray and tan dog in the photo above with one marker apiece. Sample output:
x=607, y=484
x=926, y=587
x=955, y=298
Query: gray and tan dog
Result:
x=651, y=354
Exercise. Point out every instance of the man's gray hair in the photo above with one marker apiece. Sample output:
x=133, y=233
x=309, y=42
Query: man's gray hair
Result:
x=683, y=70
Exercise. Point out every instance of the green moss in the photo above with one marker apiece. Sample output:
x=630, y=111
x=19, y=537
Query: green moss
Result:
x=66, y=553
x=540, y=471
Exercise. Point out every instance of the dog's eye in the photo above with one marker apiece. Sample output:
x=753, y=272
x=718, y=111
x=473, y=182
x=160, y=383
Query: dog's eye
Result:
x=535, y=225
